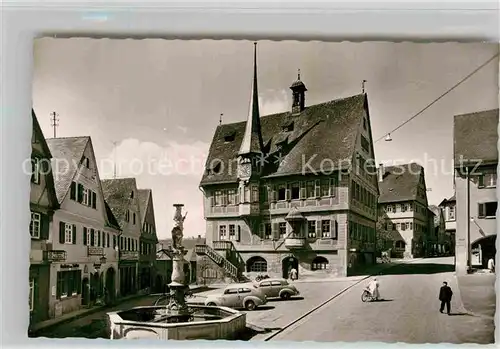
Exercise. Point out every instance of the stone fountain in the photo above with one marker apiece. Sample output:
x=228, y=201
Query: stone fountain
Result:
x=177, y=320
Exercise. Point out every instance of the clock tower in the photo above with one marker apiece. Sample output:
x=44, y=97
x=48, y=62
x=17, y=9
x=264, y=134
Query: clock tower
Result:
x=252, y=145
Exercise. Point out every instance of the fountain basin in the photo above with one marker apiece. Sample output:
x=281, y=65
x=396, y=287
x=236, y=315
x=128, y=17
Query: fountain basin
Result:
x=154, y=322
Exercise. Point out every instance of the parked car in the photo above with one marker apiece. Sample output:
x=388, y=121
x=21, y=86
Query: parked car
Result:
x=273, y=288
x=247, y=296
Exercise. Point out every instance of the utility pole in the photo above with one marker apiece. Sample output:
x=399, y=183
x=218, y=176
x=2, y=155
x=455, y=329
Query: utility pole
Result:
x=54, y=121
x=114, y=159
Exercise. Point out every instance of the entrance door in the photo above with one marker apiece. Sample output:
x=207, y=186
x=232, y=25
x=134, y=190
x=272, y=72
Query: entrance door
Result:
x=287, y=264
x=85, y=291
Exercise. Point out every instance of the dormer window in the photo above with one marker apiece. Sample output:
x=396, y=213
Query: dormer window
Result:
x=132, y=194
x=229, y=137
x=214, y=168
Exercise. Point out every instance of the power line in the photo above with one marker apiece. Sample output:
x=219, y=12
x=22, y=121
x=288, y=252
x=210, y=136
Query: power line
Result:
x=437, y=99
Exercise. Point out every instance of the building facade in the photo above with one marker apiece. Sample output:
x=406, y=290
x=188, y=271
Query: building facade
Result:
x=292, y=190
x=121, y=195
x=81, y=228
x=403, y=198
x=476, y=161
x=448, y=207
x=438, y=230
x=43, y=203
x=147, y=241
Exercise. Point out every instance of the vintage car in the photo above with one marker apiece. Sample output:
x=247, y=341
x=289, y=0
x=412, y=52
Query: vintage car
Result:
x=273, y=288
x=247, y=296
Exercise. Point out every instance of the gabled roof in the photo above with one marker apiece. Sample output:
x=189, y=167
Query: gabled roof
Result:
x=49, y=178
x=69, y=152
x=322, y=131
x=450, y=200
x=117, y=194
x=475, y=137
x=400, y=183
x=143, y=197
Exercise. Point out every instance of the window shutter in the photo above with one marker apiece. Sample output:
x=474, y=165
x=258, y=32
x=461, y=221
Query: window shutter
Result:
x=332, y=186
x=58, y=285
x=317, y=188
x=480, y=181
x=318, y=229
x=276, y=231
x=62, y=225
x=80, y=192
x=44, y=226
x=238, y=233
x=72, y=191
x=94, y=200
x=480, y=210
x=333, y=228
x=92, y=239
x=74, y=234
x=274, y=194
x=85, y=236
x=98, y=238
x=303, y=192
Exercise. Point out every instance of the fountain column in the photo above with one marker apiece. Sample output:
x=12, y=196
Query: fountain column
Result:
x=178, y=287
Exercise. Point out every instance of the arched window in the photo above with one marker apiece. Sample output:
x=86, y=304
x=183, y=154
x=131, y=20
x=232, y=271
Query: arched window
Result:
x=257, y=264
x=319, y=263
x=400, y=244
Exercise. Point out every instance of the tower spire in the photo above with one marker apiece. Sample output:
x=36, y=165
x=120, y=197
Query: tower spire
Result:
x=252, y=140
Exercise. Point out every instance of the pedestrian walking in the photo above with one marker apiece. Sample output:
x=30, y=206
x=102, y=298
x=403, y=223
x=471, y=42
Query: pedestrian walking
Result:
x=293, y=274
x=445, y=294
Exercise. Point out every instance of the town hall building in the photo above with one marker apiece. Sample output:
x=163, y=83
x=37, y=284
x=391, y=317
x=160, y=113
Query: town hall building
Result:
x=296, y=189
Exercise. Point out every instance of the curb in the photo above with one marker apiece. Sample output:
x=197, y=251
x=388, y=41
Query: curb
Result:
x=101, y=308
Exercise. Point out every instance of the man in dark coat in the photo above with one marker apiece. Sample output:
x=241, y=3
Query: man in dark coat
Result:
x=445, y=294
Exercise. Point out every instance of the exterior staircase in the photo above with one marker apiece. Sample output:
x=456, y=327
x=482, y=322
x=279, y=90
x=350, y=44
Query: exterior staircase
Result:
x=226, y=262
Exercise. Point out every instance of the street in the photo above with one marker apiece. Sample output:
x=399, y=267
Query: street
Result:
x=409, y=311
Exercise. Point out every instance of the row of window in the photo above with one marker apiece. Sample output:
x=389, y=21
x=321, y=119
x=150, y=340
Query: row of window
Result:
x=147, y=249
x=94, y=237
x=487, y=209
x=402, y=226
x=228, y=232
x=407, y=207
x=259, y=265
x=487, y=180
x=360, y=232
x=282, y=192
x=148, y=228
x=128, y=215
x=83, y=195
x=359, y=193
x=315, y=229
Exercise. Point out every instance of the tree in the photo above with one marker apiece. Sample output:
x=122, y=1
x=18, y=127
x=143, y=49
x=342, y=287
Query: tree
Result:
x=384, y=236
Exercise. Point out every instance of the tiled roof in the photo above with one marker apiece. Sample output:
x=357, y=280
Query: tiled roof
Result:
x=68, y=151
x=395, y=235
x=400, y=183
x=117, y=194
x=143, y=196
x=476, y=137
x=322, y=131
x=50, y=184
x=111, y=217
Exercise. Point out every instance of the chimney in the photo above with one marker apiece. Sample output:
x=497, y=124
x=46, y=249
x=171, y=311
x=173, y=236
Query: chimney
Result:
x=380, y=172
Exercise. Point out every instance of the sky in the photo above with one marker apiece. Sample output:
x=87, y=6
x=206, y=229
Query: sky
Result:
x=152, y=106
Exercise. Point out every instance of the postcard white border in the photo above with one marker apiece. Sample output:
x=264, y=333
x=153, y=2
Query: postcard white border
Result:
x=21, y=21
